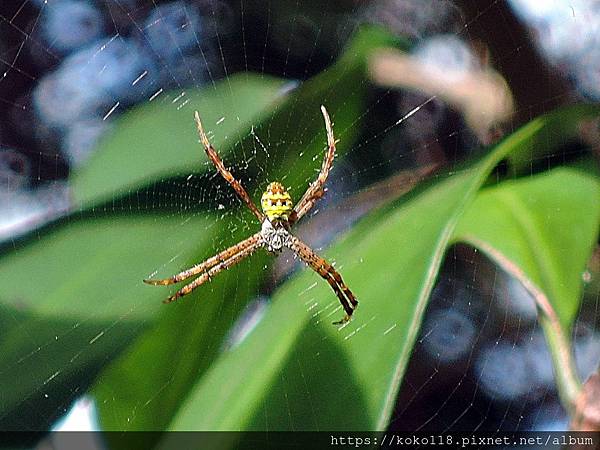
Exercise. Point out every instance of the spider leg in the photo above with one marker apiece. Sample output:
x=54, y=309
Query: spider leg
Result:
x=210, y=262
x=327, y=271
x=235, y=184
x=215, y=270
x=315, y=190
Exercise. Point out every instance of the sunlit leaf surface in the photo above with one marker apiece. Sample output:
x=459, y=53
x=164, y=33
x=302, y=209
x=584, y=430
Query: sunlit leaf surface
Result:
x=159, y=139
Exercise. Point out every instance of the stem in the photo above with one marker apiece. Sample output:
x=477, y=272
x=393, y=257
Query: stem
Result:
x=563, y=362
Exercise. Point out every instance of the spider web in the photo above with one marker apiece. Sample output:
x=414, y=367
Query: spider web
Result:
x=480, y=362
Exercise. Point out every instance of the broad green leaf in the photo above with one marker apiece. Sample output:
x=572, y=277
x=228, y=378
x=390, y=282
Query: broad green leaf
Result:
x=348, y=378
x=187, y=344
x=142, y=388
x=159, y=139
x=48, y=361
x=74, y=297
x=545, y=225
x=542, y=230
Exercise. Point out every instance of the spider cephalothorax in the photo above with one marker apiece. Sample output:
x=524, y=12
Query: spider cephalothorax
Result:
x=277, y=217
x=275, y=235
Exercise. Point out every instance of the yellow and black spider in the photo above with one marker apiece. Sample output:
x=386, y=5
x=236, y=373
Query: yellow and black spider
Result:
x=277, y=217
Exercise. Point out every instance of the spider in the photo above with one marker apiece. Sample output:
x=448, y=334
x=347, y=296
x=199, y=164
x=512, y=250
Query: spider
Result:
x=277, y=217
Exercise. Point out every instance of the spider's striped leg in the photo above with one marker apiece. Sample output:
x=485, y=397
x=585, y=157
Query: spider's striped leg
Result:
x=215, y=270
x=326, y=270
x=235, y=184
x=210, y=262
x=315, y=191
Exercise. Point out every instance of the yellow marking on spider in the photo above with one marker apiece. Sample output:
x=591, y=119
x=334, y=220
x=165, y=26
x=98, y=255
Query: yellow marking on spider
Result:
x=276, y=202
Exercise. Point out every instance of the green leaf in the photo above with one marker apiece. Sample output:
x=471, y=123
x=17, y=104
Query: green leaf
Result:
x=546, y=225
x=542, y=230
x=47, y=361
x=159, y=139
x=312, y=375
x=142, y=388
x=291, y=344
x=73, y=298
x=187, y=344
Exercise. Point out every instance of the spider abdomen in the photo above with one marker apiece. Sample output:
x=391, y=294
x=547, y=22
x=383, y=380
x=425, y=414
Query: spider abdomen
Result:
x=276, y=202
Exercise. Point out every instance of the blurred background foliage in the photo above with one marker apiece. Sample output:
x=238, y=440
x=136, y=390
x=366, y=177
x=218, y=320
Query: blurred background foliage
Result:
x=462, y=210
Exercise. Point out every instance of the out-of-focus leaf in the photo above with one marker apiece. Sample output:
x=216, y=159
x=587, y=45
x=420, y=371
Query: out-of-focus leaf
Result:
x=554, y=136
x=159, y=139
x=142, y=388
x=73, y=298
x=47, y=361
x=312, y=375
x=279, y=136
